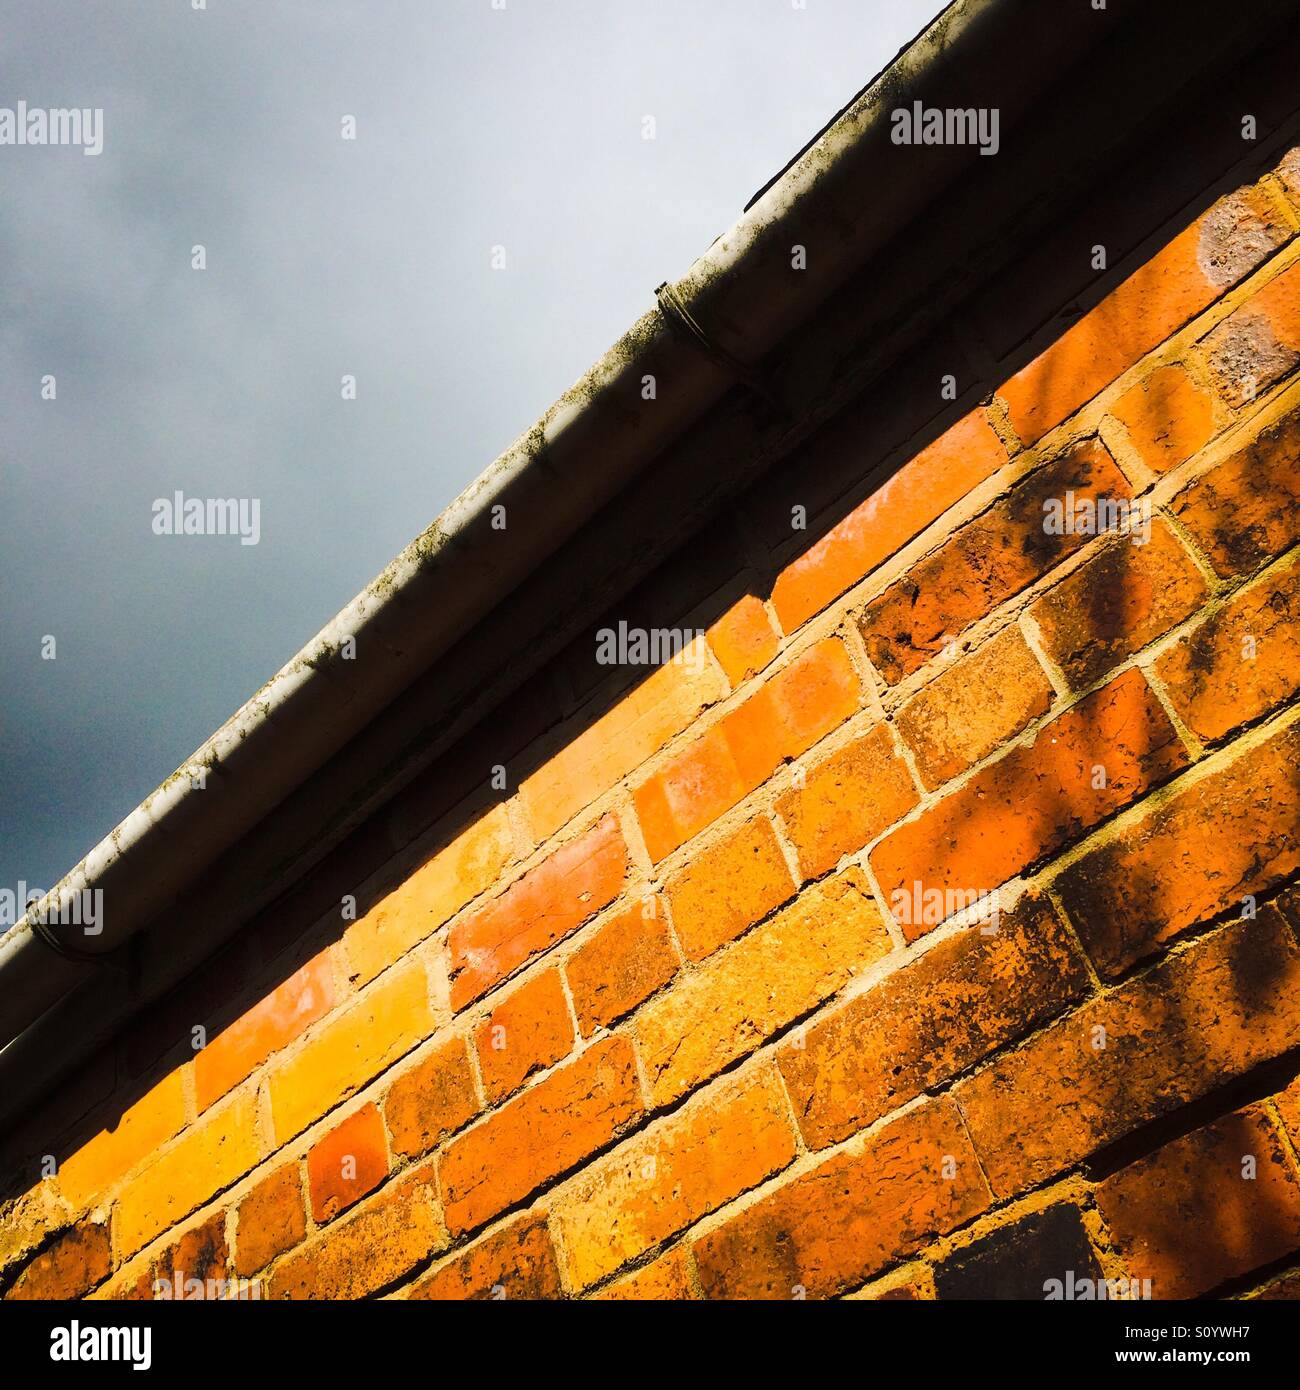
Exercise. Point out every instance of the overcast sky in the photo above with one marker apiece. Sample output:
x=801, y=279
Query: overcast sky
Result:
x=476, y=127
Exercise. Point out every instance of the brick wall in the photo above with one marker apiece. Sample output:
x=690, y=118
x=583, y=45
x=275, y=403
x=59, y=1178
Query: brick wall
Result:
x=689, y=1006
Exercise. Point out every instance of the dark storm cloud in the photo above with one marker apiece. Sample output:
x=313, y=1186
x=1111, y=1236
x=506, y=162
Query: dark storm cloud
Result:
x=475, y=128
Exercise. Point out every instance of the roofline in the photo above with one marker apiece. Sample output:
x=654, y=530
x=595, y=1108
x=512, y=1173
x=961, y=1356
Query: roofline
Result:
x=591, y=446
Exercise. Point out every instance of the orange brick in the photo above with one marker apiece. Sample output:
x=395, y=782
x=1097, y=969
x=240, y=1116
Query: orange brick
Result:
x=285, y=1013
x=210, y=1156
x=517, y=1261
x=1127, y=1057
x=987, y=561
x=130, y=1285
x=453, y=877
x=931, y=1020
x=548, y=1129
x=900, y=508
x=667, y=1279
x=1240, y=663
x=527, y=1031
x=744, y=640
x=100, y=1163
x=975, y=706
x=621, y=965
x=200, y=1254
x=348, y=1049
x=351, y=1160
x=1123, y=597
x=656, y=1184
x=1197, y=854
x=603, y=752
x=831, y=1227
x=1288, y=1109
x=78, y=1260
x=536, y=911
x=432, y=1099
x=1259, y=342
x=370, y=1249
x=269, y=1220
x=728, y=887
x=744, y=995
x=786, y=715
x=1247, y=510
x=1036, y=800
x=847, y=799
x=1205, y=1208
x=1168, y=417
x=1174, y=285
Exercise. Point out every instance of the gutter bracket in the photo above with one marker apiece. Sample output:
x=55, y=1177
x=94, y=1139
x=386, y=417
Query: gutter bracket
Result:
x=684, y=324
x=43, y=931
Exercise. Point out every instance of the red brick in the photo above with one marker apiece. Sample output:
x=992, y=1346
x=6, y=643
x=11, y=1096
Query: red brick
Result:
x=1168, y=417
x=1170, y=288
x=536, y=911
x=461, y=869
x=847, y=799
x=900, y=508
x=744, y=640
x=270, y=1220
x=432, y=1099
x=208, y=1157
x=986, y=562
x=744, y=995
x=1240, y=663
x=598, y=754
x=370, y=1249
x=540, y=1134
x=1188, y=1217
x=863, y=1208
x=1139, y=1052
x=974, y=706
x=78, y=1260
x=387, y=1020
x=657, y=1183
x=622, y=964
x=785, y=716
x=1036, y=800
x=1195, y=855
x=728, y=887
x=285, y=1013
x=1259, y=342
x=200, y=1254
x=931, y=1020
x=517, y=1261
x=351, y=1160
x=1123, y=597
x=1247, y=510
x=527, y=1031
x=124, y=1143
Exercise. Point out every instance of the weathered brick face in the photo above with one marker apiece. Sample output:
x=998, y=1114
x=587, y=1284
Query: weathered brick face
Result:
x=928, y=930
